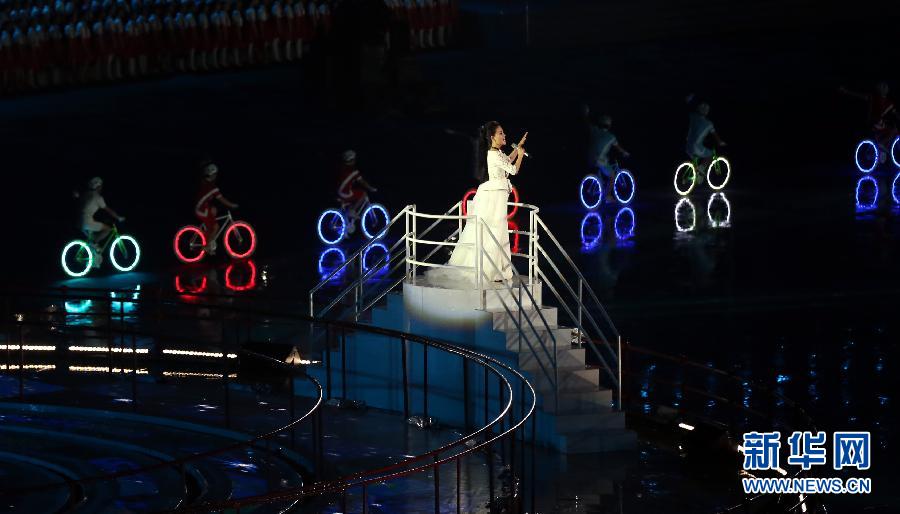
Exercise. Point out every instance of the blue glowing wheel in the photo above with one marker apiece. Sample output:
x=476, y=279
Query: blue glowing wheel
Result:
x=685, y=215
x=623, y=186
x=591, y=230
x=624, y=223
x=375, y=220
x=685, y=178
x=867, y=193
x=895, y=188
x=332, y=226
x=590, y=192
x=895, y=151
x=866, y=155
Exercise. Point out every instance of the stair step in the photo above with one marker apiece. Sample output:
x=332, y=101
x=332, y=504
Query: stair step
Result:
x=566, y=358
x=563, y=336
x=503, y=320
x=496, y=298
x=604, y=419
x=577, y=402
x=570, y=381
x=594, y=441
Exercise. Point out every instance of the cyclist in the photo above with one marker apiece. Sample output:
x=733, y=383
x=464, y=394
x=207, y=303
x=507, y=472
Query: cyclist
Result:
x=700, y=127
x=882, y=116
x=600, y=141
x=205, y=207
x=96, y=231
x=352, y=189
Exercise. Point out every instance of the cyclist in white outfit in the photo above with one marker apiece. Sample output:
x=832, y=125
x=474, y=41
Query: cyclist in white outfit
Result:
x=92, y=202
x=699, y=129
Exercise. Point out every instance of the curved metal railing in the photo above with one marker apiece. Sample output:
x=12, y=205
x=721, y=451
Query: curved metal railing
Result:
x=493, y=432
x=18, y=320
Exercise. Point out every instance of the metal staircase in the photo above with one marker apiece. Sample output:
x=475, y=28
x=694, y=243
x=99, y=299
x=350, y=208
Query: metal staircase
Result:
x=553, y=343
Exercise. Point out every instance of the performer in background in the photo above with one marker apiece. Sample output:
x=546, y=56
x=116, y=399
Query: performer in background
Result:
x=489, y=205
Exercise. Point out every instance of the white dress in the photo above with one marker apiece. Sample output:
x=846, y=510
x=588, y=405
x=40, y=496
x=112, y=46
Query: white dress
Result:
x=490, y=205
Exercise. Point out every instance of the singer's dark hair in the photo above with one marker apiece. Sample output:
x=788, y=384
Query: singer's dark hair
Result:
x=485, y=132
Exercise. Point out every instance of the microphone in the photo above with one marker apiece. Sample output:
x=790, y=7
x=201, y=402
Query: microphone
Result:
x=516, y=145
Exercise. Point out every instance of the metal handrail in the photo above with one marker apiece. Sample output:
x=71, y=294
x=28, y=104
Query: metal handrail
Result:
x=181, y=461
x=555, y=379
x=430, y=460
x=584, y=303
x=580, y=276
x=579, y=299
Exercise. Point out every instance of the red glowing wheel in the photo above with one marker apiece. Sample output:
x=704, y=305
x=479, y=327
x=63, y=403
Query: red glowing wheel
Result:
x=240, y=240
x=471, y=192
x=189, y=244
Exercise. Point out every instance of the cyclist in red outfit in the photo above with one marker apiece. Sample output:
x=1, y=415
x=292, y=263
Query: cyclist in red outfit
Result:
x=882, y=115
x=205, y=207
x=352, y=189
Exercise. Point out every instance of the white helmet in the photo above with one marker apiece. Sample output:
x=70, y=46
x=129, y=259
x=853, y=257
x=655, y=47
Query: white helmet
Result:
x=95, y=183
x=349, y=156
x=210, y=170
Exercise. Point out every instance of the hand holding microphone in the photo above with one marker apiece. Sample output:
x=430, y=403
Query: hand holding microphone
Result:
x=520, y=149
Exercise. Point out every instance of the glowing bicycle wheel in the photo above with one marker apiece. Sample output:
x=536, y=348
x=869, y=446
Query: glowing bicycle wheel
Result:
x=623, y=187
x=685, y=178
x=866, y=155
x=718, y=173
x=124, y=253
x=685, y=215
x=189, y=244
x=590, y=191
x=77, y=258
x=375, y=220
x=240, y=240
x=591, y=230
x=332, y=226
x=895, y=151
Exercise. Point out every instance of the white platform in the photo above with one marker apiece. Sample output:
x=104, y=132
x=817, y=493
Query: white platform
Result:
x=579, y=412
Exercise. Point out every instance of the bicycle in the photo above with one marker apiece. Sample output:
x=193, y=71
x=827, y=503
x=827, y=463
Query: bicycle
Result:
x=717, y=174
x=869, y=154
x=79, y=256
x=591, y=189
x=334, y=225
x=190, y=243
